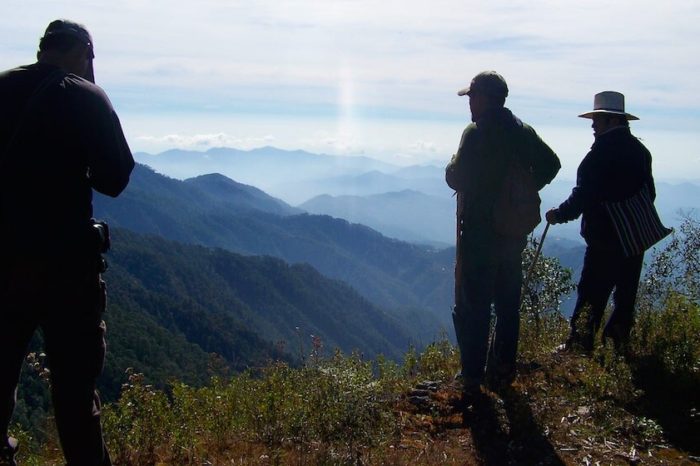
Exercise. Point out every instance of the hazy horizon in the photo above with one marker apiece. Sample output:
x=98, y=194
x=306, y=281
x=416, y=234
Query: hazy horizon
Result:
x=693, y=178
x=364, y=78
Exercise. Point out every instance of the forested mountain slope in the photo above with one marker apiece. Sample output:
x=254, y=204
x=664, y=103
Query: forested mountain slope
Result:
x=392, y=274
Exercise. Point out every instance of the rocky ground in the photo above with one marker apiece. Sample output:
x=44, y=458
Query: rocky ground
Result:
x=547, y=417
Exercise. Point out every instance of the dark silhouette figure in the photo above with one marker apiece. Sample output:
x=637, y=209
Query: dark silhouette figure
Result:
x=59, y=139
x=489, y=270
x=617, y=166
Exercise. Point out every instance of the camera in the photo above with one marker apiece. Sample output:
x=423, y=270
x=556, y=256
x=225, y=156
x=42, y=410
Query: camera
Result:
x=101, y=234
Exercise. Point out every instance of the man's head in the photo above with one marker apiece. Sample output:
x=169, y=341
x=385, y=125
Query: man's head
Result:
x=487, y=90
x=68, y=45
x=608, y=112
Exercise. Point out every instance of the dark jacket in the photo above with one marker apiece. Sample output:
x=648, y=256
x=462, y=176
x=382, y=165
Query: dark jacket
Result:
x=478, y=168
x=617, y=167
x=68, y=145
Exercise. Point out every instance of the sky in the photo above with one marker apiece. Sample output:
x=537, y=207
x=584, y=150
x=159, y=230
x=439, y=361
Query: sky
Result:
x=379, y=78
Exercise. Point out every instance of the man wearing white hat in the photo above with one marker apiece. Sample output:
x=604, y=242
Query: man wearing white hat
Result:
x=617, y=166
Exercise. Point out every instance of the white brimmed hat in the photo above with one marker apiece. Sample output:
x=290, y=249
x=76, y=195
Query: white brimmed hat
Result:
x=609, y=102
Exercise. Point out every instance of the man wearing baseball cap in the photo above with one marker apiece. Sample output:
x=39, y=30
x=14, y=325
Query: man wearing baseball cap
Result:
x=59, y=139
x=489, y=269
x=615, y=168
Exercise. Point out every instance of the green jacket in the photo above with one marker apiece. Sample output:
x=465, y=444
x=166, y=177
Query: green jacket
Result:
x=478, y=168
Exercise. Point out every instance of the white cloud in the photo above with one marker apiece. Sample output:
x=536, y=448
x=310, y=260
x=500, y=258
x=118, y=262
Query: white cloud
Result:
x=338, y=144
x=423, y=147
x=423, y=47
x=205, y=141
x=405, y=55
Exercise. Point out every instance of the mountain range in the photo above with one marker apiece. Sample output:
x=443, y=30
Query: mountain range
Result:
x=409, y=279
x=408, y=285
x=368, y=191
x=394, y=214
x=268, y=168
x=239, y=306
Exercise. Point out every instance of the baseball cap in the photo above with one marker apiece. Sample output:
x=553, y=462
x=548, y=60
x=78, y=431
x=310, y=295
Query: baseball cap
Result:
x=68, y=28
x=487, y=82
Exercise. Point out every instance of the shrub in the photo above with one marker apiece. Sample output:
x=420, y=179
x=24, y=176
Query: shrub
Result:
x=669, y=339
x=666, y=337
x=138, y=428
x=336, y=407
x=439, y=360
x=542, y=327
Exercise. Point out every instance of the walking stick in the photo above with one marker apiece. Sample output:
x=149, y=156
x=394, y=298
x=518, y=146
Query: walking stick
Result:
x=530, y=269
x=459, y=297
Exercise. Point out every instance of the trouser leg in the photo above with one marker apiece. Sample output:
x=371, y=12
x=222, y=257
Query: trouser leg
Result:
x=76, y=349
x=472, y=320
x=472, y=328
x=594, y=290
x=13, y=349
x=17, y=325
x=621, y=320
x=509, y=278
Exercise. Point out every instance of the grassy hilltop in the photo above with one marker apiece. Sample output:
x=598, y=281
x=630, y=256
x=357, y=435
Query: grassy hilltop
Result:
x=343, y=409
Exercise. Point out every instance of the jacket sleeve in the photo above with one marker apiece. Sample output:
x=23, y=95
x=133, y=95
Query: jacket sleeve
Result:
x=456, y=172
x=586, y=193
x=545, y=163
x=107, y=153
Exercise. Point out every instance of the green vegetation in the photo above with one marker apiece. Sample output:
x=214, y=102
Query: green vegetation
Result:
x=346, y=409
x=542, y=325
x=336, y=406
x=186, y=313
x=393, y=275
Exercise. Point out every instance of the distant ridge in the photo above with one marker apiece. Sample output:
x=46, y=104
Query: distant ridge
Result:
x=394, y=214
x=240, y=196
x=406, y=279
x=264, y=166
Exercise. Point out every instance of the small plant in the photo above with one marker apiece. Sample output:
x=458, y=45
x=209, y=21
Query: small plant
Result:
x=410, y=362
x=611, y=377
x=542, y=327
x=439, y=360
x=138, y=428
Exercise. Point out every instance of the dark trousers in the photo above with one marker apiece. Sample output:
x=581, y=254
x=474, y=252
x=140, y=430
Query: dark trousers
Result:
x=491, y=273
x=605, y=271
x=66, y=301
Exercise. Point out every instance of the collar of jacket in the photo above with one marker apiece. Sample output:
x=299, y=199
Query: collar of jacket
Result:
x=500, y=116
x=612, y=134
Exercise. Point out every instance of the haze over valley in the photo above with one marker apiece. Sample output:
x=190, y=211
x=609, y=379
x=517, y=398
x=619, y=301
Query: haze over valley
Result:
x=410, y=203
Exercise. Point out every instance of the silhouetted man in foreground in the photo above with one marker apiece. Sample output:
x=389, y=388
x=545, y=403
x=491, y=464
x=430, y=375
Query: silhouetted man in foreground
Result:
x=59, y=139
x=489, y=269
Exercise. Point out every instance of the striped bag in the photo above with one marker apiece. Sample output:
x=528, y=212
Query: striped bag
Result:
x=636, y=223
